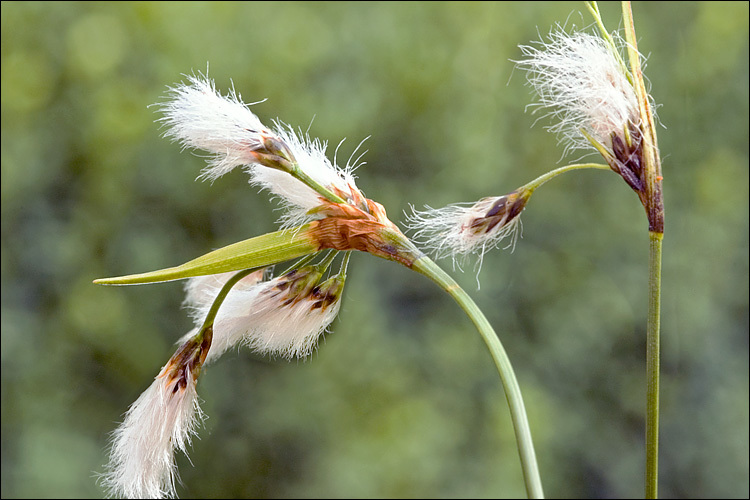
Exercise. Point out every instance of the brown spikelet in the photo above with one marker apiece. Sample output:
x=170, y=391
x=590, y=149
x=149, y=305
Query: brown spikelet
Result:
x=185, y=364
x=365, y=227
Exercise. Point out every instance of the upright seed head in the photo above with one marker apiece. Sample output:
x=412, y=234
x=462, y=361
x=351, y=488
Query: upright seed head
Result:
x=583, y=85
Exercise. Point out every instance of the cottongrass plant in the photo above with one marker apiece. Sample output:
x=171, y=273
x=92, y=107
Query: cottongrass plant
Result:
x=596, y=102
x=235, y=301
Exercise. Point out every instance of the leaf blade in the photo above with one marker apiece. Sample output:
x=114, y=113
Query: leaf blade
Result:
x=260, y=251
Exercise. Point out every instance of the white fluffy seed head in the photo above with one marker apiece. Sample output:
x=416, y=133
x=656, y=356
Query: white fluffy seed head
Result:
x=142, y=461
x=581, y=84
x=199, y=117
x=462, y=229
x=284, y=316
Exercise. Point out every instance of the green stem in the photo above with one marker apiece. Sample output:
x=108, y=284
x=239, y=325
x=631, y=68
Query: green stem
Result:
x=327, y=260
x=539, y=181
x=654, y=204
x=299, y=174
x=344, y=264
x=529, y=466
x=211, y=316
x=652, y=365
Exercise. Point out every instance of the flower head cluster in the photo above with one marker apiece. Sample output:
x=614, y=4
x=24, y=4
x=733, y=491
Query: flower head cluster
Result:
x=282, y=316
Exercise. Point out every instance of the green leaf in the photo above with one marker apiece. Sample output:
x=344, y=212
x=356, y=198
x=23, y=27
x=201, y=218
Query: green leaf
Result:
x=260, y=251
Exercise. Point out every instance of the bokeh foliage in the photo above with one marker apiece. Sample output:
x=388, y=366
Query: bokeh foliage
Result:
x=402, y=399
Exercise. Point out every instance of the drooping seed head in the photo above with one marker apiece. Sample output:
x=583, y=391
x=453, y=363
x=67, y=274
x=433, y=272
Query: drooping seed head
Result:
x=162, y=419
x=283, y=316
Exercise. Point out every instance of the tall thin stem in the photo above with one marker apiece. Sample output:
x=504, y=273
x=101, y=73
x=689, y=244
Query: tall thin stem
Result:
x=652, y=365
x=520, y=421
x=654, y=204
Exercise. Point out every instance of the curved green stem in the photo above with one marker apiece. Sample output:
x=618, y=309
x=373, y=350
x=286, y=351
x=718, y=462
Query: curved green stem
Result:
x=213, y=311
x=539, y=181
x=652, y=365
x=426, y=266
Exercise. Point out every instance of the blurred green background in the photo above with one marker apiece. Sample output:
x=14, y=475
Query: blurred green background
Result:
x=402, y=399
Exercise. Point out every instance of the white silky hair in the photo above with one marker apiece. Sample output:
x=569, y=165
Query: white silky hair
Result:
x=198, y=117
x=444, y=232
x=259, y=316
x=162, y=419
x=581, y=84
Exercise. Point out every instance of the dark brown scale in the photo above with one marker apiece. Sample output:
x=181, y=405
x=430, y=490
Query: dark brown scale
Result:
x=517, y=208
x=324, y=296
x=494, y=222
x=329, y=299
x=497, y=207
x=324, y=301
x=618, y=148
x=632, y=180
x=511, y=206
x=634, y=164
x=628, y=159
x=492, y=218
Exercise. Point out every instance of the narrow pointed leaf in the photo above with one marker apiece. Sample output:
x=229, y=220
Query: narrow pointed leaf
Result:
x=260, y=251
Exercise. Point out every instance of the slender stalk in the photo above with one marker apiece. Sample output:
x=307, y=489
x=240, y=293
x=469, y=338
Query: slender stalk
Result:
x=539, y=181
x=520, y=421
x=300, y=174
x=652, y=365
x=344, y=264
x=214, y=310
